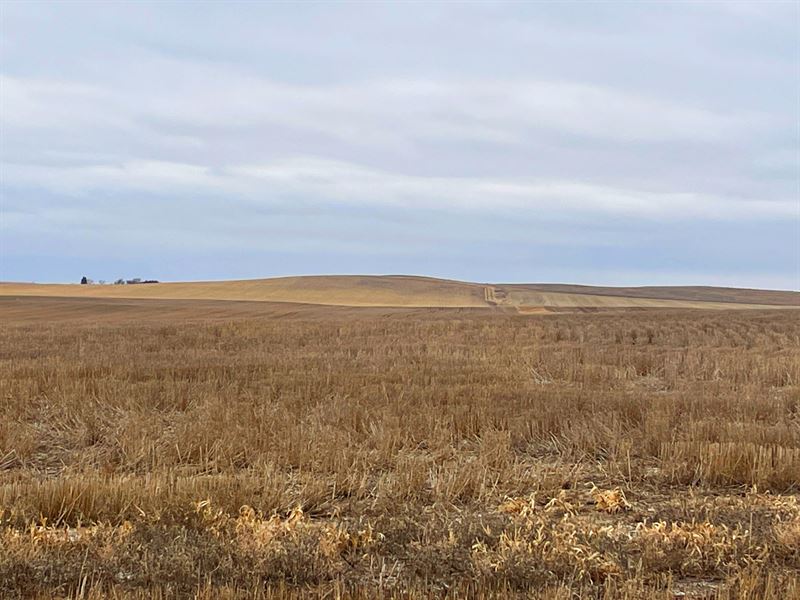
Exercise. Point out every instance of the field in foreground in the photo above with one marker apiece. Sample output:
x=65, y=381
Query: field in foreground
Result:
x=232, y=450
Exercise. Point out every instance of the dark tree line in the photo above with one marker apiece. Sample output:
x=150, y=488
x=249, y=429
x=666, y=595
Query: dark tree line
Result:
x=136, y=280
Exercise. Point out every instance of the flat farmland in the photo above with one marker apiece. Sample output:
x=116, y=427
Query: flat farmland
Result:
x=217, y=449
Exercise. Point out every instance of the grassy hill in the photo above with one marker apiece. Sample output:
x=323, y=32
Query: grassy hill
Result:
x=339, y=290
x=411, y=291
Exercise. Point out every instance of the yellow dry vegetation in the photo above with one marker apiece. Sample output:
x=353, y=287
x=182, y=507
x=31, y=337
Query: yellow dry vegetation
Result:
x=175, y=450
x=533, y=298
x=340, y=290
x=407, y=291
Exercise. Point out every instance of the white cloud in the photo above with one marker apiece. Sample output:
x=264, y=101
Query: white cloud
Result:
x=88, y=131
x=325, y=183
x=174, y=95
x=35, y=104
x=150, y=176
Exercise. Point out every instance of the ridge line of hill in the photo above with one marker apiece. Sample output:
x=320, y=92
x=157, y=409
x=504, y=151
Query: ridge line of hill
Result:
x=421, y=291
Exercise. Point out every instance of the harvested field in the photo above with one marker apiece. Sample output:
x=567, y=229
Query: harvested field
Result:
x=407, y=291
x=681, y=293
x=342, y=290
x=172, y=449
x=24, y=309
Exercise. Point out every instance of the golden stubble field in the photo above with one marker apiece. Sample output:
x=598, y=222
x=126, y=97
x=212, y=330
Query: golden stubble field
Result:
x=420, y=292
x=181, y=450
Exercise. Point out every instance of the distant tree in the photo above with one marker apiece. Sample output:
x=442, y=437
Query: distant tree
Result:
x=119, y=281
x=102, y=282
x=84, y=280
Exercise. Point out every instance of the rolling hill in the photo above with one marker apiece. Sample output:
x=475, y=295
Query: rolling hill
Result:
x=412, y=291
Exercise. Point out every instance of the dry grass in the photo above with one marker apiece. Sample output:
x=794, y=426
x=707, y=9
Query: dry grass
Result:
x=525, y=296
x=340, y=290
x=347, y=453
x=685, y=293
x=407, y=291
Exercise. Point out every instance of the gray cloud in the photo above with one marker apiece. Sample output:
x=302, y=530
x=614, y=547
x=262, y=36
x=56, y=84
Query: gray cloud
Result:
x=597, y=118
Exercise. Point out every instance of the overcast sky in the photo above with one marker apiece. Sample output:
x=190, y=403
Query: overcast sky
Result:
x=610, y=143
